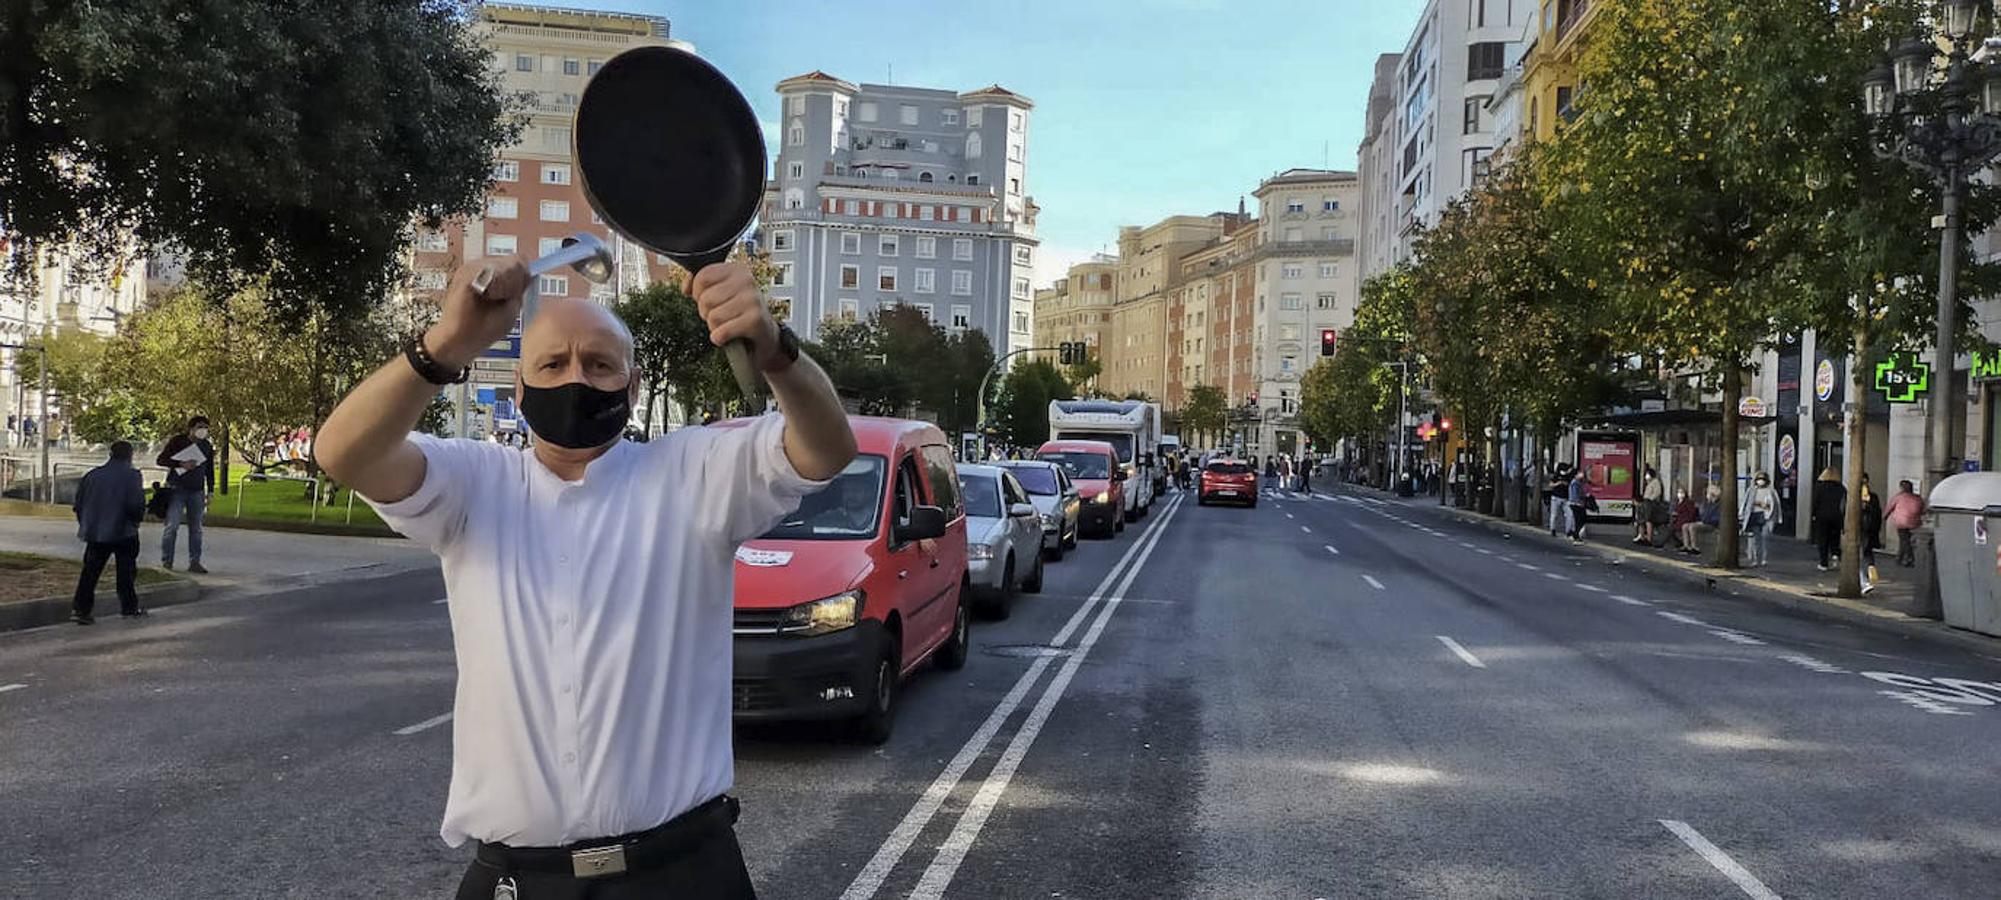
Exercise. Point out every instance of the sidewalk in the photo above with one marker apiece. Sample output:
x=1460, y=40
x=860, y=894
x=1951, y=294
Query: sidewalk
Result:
x=1791, y=578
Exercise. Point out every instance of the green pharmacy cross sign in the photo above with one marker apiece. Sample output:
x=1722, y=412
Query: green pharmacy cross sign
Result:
x=1903, y=378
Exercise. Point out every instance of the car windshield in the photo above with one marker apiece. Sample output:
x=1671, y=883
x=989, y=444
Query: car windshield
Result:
x=847, y=509
x=1122, y=444
x=1036, y=479
x=1080, y=465
x=1229, y=468
x=982, y=495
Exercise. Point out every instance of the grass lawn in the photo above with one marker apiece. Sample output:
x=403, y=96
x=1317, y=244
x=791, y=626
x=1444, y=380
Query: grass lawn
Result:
x=26, y=576
x=285, y=501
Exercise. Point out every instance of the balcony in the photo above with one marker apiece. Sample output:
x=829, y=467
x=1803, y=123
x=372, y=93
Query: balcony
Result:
x=1336, y=247
x=1570, y=16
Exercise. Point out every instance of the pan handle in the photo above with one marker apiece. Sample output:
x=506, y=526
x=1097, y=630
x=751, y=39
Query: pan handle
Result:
x=736, y=351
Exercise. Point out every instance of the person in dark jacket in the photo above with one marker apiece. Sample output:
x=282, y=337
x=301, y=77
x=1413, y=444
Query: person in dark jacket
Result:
x=110, y=503
x=1872, y=533
x=1830, y=503
x=188, y=483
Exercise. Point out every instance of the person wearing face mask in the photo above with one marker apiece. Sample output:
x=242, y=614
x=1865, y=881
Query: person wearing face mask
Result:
x=1758, y=514
x=189, y=459
x=589, y=581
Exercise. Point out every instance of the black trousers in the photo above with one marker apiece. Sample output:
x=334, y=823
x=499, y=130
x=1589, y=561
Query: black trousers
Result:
x=94, y=555
x=712, y=869
x=1827, y=538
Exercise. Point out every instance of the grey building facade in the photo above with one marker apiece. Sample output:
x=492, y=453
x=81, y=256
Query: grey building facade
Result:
x=885, y=195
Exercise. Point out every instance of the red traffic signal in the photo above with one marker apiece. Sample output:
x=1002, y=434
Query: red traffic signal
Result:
x=1328, y=338
x=1445, y=424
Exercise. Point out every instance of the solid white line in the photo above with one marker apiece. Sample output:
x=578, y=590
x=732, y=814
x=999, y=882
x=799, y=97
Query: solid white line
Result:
x=4, y=688
x=440, y=600
x=1371, y=579
x=1464, y=656
x=1556, y=576
x=1737, y=874
x=1622, y=598
x=431, y=722
x=1330, y=549
x=953, y=851
x=870, y=878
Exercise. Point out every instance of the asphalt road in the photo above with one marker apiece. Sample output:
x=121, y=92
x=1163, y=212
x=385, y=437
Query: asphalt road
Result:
x=1314, y=698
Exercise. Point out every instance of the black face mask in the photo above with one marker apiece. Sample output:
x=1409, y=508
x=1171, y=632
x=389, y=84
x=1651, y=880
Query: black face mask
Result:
x=576, y=415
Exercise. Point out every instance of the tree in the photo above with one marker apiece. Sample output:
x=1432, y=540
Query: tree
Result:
x=1354, y=394
x=287, y=144
x=1022, y=412
x=671, y=347
x=1203, y=413
x=100, y=404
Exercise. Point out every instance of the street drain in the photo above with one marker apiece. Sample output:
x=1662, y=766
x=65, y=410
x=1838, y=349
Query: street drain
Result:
x=1026, y=651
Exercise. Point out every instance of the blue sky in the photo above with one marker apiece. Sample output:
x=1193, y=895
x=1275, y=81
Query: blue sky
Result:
x=1143, y=108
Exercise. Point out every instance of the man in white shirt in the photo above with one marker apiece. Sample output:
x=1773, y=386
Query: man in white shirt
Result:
x=589, y=583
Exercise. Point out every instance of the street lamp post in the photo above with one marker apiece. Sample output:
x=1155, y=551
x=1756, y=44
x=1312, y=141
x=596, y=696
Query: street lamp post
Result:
x=1943, y=118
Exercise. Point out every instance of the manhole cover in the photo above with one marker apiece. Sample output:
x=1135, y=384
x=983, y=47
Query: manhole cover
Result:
x=1026, y=651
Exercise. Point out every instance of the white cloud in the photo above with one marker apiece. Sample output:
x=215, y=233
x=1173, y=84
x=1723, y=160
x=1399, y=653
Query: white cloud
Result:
x=1053, y=262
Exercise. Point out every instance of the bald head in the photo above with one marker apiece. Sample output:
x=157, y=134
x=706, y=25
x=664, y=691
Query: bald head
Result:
x=572, y=340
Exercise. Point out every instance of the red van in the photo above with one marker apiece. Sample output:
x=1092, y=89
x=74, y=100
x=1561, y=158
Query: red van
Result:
x=1101, y=482
x=857, y=588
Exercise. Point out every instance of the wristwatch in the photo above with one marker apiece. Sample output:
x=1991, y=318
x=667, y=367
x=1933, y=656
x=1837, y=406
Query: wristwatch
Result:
x=428, y=367
x=788, y=352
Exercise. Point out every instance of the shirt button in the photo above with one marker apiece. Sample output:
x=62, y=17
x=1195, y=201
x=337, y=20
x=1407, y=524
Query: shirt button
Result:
x=569, y=758
x=566, y=689
x=563, y=619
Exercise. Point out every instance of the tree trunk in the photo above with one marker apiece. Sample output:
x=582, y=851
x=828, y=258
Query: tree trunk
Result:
x=652, y=400
x=1728, y=541
x=1857, y=435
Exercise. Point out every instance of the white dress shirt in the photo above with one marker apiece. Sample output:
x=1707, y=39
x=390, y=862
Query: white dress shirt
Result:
x=591, y=622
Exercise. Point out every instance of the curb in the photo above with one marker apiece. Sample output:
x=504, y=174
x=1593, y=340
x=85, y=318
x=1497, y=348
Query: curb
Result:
x=1736, y=584
x=54, y=610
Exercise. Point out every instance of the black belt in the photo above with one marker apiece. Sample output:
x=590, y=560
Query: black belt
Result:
x=638, y=851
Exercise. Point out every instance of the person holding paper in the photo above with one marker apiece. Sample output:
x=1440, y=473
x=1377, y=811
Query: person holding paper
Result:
x=189, y=460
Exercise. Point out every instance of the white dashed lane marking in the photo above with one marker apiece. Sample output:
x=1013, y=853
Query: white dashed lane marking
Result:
x=431, y=722
x=4, y=688
x=1556, y=576
x=1330, y=549
x=1371, y=579
x=1461, y=652
x=1622, y=598
x=1738, y=875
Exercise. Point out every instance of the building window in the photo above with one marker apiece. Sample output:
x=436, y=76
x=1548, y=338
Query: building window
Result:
x=1290, y=271
x=1014, y=151
x=850, y=308
x=1329, y=233
x=546, y=246
x=1295, y=206
x=972, y=149
x=951, y=116
x=556, y=138
x=555, y=173
x=553, y=286
x=927, y=247
x=973, y=116
x=885, y=278
x=573, y=67
x=907, y=114
x=926, y=212
x=781, y=240
x=840, y=107
x=500, y=245
x=925, y=177
x=1021, y=323
x=1014, y=121
x=1485, y=60
x=1328, y=204
x=1290, y=301
x=1288, y=332
x=851, y=242
x=1472, y=117
x=924, y=309
x=795, y=134
x=1014, y=187
x=507, y=170
x=1285, y=365
x=962, y=284
x=502, y=207
x=962, y=249
x=795, y=198
x=1021, y=287
x=431, y=241
x=1023, y=255
x=591, y=67
x=962, y=316
x=524, y=62
x=781, y=275
x=1325, y=301
x=867, y=112
x=851, y=208
x=795, y=170
x=555, y=211
x=891, y=175
x=797, y=105
x=886, y=245
x=927, y=281
x=1327, y=270
x=851, y=276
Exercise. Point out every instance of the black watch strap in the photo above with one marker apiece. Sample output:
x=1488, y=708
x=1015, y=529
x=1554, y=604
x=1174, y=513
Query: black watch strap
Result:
x=788, y=351
x=427, y=366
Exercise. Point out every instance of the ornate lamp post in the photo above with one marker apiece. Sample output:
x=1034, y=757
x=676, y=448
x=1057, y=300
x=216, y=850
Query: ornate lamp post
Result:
x=1938, y=107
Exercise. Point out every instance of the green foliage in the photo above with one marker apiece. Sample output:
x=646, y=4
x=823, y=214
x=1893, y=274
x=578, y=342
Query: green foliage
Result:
x=1354, y=394
x=1202, y=414
x=290, y=144
x=1022, y=412
x=897, y=359
x=670, y=345
x=89, y=384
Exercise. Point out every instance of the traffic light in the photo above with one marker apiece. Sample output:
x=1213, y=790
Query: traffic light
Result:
x=1328, y=337
x=1445, y=424
x=1072, y=353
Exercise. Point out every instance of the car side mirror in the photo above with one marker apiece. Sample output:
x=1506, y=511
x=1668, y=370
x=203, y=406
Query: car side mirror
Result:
x=1118, y=474
x=925, y=523
x=1020, y=510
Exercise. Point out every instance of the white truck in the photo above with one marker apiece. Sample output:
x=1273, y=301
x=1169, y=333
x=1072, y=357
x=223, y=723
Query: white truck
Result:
x=1132, y=427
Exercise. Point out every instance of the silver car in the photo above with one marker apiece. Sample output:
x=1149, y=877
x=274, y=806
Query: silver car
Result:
x=1056, y=500
x=1003, y=538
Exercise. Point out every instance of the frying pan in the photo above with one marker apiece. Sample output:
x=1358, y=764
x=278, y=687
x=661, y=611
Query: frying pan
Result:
x=670, y=155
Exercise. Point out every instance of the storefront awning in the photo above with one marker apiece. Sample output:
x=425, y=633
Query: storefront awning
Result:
x=1676, y=418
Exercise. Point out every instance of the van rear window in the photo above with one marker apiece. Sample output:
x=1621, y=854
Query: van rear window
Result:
x=1229, y=468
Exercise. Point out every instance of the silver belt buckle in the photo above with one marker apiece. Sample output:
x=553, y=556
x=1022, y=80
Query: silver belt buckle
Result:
x=598, y=862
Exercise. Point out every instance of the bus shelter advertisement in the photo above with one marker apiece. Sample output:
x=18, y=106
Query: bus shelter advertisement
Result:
x=1608, y=463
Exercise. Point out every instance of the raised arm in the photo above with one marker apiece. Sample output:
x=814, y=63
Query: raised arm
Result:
x=365, y=443
x=818, y=441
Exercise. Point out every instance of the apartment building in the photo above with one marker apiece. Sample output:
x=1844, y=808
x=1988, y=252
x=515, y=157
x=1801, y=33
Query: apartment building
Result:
x=1307, y=279
x=887, y=195
x=1138, y=360
x=67, y=296
x=1376, y=161
x=1216, y=305
x=1078, y=307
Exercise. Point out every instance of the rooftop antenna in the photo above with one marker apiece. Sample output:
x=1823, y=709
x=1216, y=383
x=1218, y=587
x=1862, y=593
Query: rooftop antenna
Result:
x=1323, y=154
x=892, y=73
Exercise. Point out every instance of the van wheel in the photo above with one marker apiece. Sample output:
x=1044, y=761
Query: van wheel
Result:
x=1001, y=604
x=878, y=719
x=1034, y=583
x=1055, y=553
x=952, y=656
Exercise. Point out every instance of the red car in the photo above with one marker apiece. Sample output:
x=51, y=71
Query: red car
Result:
x=1228, y=479
x=858, y=588
x=1101, y=482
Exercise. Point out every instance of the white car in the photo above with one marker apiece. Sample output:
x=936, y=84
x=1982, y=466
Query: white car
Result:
x=1056, y=500
x=1003, y=538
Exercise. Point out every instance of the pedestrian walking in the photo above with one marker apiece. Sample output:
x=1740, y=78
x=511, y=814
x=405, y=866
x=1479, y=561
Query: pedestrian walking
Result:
x=1306, y=476
x=1757, y=516
x=1557, y=493
x=110, y=503
x=1872, y=533
x=589, y=582
x=1905, y=512
x=189, y=459
x=1653, y=506
x=1830, y=504
x=1581, y=502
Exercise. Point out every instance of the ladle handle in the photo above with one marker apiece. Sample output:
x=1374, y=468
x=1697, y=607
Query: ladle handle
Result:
x=737, y=351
